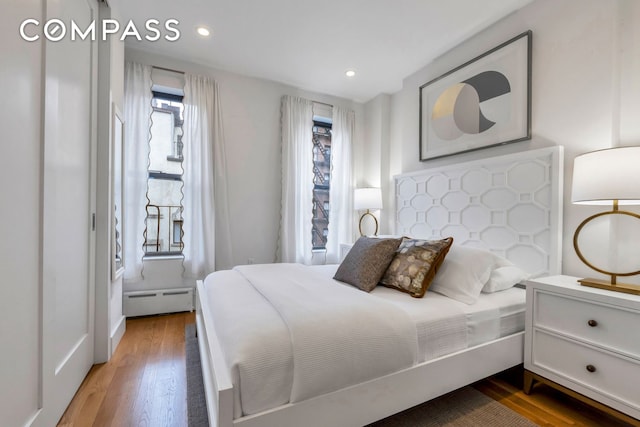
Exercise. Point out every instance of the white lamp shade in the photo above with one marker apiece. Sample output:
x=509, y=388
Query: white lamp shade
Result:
x=600, y=177
x=367, y=198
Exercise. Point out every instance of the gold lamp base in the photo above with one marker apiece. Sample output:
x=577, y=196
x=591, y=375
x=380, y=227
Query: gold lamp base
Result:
x=617, y=287
x=375, y=233
x=612, y=284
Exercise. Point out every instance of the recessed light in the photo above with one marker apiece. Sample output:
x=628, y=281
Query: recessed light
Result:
x=203, y=31
x=350, y=73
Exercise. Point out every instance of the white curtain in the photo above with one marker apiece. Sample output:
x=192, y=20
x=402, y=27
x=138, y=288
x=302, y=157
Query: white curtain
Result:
x=207, y=240
x=295, y=243
x=341, y=186
x=137, y=121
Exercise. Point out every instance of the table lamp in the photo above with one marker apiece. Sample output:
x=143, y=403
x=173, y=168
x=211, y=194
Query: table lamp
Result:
x=367, y=199
x=607, y=177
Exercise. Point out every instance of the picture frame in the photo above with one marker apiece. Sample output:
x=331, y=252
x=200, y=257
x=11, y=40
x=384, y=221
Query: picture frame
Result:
x=482, y=103
x=117, y=193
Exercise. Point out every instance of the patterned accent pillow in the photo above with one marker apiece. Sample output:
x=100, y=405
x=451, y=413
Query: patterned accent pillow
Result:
x=415, y=265
x=366, y=262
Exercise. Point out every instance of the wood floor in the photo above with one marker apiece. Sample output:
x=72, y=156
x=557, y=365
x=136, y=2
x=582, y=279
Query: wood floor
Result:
x=144, y=384
x=545, y=406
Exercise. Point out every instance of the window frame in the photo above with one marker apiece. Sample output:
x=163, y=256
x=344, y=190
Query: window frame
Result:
x=165, y=176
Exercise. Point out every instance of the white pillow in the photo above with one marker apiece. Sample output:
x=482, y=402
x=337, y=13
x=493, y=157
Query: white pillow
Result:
x=504, y=277
x=463, y=273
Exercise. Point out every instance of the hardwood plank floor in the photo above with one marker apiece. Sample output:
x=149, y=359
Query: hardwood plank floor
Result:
x=144, y=384
x=545, y=406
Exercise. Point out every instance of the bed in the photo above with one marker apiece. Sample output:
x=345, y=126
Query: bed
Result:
x=510, y=205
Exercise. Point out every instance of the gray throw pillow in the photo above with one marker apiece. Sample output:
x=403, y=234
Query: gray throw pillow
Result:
x=366, y=262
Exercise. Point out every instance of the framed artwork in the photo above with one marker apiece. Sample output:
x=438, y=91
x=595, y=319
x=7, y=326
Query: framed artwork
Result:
x=117, y=193
x=484, y=102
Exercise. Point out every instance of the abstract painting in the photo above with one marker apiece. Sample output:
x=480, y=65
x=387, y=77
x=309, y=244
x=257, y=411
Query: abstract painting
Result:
x=484, y=102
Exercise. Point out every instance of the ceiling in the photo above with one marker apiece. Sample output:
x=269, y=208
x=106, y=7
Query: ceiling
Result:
x=311, y=44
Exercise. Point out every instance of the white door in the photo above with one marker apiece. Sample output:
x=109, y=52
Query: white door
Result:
x=68, y=205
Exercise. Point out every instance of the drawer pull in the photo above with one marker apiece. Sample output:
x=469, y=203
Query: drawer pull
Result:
x=591, y=368
x=592, y=323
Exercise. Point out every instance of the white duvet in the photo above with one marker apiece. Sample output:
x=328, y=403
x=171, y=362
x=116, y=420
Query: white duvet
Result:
x=290, y=333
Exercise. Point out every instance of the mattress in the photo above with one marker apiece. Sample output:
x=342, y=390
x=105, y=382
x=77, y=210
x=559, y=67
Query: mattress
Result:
x=300, y=333
x=441, y=331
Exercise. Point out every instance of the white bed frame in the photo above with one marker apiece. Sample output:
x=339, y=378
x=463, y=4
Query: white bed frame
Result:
x=510, y=204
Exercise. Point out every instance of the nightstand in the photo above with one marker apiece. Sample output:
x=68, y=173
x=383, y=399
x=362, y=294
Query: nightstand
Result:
x=584, y=342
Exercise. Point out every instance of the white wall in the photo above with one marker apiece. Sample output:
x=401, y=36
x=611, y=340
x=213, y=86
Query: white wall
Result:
x=629, y=61
x=584, y=83
x=251, y=120
x=372, y=153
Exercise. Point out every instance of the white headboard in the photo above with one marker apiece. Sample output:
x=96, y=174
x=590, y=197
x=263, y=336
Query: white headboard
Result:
x=510, y=205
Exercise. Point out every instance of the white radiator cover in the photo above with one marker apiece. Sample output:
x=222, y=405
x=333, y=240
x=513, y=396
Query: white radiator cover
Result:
x=160, y=301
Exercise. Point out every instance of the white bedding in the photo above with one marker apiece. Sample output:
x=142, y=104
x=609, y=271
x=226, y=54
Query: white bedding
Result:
x=290, y=333
x=445, y=325
x=274, y=360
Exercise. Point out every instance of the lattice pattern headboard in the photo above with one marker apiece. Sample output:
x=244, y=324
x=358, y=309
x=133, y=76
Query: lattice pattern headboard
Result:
x=511, y=205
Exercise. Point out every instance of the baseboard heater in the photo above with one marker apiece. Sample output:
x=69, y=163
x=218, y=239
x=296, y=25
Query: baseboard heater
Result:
x=145, y=303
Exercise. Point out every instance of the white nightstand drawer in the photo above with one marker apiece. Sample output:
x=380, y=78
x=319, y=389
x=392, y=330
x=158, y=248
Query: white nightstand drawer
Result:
x=603, y=325
x=603, y=373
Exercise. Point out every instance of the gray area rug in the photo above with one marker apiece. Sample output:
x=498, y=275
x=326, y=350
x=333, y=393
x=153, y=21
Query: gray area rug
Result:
x=465, y=407
x=196, y=404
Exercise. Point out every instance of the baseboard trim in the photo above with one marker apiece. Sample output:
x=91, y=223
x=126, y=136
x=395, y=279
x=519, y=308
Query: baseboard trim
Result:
x=117, y=333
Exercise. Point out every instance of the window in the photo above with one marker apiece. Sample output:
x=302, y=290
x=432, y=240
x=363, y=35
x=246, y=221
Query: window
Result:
x=321, y=180
x=163, y=227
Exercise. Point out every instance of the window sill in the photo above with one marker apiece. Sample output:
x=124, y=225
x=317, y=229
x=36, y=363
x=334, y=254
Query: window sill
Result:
x=161, y=257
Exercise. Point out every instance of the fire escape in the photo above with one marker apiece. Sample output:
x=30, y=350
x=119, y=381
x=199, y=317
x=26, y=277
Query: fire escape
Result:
x=321, y=179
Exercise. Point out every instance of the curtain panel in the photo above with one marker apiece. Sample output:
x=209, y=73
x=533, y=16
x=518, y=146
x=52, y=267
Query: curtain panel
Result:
x=137, y=119
x=294, y=244
x=207, y=239
x=341, y=186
